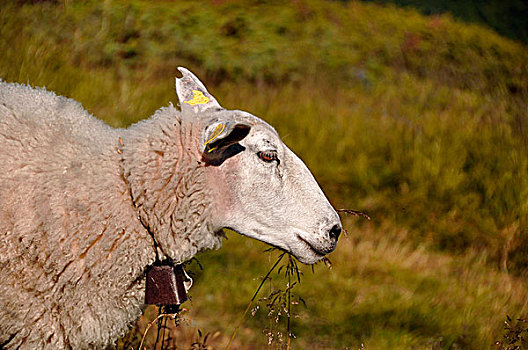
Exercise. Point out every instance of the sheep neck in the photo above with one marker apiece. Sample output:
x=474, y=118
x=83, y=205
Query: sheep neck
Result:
x=167, y=186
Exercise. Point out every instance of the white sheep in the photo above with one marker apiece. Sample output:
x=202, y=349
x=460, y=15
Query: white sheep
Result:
x=83, y=205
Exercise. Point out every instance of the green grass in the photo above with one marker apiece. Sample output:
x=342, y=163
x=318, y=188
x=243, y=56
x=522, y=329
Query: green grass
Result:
x=419, y=121
x=381, y=292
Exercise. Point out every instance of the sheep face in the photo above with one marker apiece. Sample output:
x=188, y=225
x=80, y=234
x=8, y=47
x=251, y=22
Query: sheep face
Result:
x=269, y=194
x=259, y=187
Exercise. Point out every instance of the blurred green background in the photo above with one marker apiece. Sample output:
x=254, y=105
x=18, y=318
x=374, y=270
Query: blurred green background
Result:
x=419, y=121
x=507, y=17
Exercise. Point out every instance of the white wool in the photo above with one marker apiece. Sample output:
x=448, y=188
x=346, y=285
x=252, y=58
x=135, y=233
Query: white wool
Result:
x=73, y=252
x=85, y=208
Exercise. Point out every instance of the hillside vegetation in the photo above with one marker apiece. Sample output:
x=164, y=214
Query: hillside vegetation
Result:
x=508, y=18
x=422, y=122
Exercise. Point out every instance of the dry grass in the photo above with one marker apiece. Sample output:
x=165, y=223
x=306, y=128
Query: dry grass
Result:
x=385, y=293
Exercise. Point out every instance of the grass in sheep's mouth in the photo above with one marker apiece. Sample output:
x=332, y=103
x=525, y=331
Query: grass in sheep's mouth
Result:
x=253, y=299
x=279, y=302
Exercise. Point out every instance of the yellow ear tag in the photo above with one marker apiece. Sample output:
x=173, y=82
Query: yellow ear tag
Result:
x=217, y=131
x=198, y=98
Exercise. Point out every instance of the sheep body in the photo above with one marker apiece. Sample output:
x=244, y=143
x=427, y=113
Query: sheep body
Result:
x=86, y=208
x=74, y=244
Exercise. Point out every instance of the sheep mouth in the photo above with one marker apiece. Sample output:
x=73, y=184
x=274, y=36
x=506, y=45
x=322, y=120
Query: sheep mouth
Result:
x=311, y=247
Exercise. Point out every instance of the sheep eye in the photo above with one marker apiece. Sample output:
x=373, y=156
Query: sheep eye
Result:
x=269, y=156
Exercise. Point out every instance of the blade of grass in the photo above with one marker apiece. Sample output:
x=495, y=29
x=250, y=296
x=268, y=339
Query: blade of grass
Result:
x=252, y=300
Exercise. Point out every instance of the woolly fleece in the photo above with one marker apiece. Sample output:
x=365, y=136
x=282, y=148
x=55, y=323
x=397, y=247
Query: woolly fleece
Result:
x=76, y=199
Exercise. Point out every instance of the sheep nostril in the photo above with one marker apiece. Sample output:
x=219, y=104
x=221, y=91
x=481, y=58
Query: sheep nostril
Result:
x=335, y=231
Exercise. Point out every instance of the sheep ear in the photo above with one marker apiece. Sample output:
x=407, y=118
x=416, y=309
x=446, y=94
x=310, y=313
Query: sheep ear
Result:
x=192, y=93
x=221, y=141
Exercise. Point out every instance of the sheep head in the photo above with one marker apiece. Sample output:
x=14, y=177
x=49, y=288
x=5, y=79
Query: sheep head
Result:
x=259, y=187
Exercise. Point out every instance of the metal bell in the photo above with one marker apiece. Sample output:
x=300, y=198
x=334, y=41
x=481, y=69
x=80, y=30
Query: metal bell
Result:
x=167, y=285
